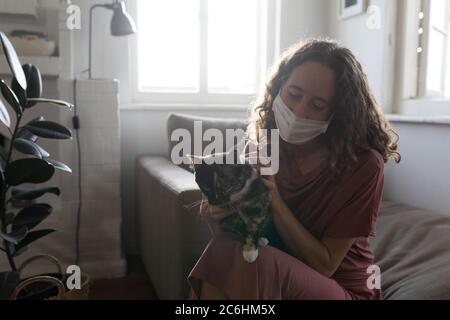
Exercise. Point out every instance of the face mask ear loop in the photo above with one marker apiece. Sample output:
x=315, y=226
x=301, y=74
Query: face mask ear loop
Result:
x=331, y=118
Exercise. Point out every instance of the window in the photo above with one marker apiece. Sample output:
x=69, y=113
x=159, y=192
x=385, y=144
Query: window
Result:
x=433, y=51
x=207, y=51
x=168, y=45
x=438, y=53
x=422, y=70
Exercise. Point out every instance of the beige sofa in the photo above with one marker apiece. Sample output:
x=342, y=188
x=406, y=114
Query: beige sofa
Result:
x=411, y=247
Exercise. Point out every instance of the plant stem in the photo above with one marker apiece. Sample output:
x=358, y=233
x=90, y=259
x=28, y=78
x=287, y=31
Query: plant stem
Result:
x=3, y=198
x=16, y=128
x=4, y=230
x=10, y=258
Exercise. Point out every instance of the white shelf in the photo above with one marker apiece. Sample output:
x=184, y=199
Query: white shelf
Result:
x=19, y=7
x=49, y=66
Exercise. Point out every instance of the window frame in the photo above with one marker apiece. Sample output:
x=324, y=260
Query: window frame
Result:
x=411, y=96
x=423, y=88
x=270, y=9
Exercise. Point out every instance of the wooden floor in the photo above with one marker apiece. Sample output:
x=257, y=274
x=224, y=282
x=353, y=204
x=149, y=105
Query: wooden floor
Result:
x=127, y=288
x=136, y=285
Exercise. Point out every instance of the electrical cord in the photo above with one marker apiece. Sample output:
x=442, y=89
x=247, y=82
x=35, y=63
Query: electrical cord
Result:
x=76, y=126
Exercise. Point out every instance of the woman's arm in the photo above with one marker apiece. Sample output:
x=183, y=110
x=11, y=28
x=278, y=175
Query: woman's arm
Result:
x=324, y=255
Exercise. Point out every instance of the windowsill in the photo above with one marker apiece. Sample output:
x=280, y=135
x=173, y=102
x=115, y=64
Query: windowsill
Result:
x=171, y=107
x=404, y=118
x=434, y=108
x=183, y=107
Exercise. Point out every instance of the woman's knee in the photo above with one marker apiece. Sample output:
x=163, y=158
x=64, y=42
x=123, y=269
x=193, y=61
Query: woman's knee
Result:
x=210, y=292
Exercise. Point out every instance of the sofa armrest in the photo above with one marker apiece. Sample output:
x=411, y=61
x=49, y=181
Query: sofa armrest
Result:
x=171, y=235
x=174, y=178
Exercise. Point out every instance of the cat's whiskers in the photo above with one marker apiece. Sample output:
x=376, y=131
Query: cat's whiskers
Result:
x=194, y=204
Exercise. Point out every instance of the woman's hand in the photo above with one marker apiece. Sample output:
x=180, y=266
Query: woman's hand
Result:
x=213, y=215
x=275, y=199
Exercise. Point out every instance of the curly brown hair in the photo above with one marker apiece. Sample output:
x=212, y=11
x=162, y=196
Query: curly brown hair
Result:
x=358, y=124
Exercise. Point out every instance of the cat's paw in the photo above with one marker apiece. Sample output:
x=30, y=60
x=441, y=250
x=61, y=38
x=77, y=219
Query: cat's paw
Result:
x=263, y=242
x=250, y=253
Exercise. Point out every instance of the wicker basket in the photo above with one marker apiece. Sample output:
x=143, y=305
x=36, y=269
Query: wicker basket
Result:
x=62, y=292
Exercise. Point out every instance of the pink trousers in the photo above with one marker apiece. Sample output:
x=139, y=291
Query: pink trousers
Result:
x=274, y=275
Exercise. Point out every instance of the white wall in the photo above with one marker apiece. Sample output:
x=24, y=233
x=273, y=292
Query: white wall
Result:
x=109, y=54
x=373, y=47
x=422, y=178
x=302, y=19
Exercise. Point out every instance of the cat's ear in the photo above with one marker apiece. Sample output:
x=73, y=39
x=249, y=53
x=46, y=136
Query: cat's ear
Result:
x=191, y=158
x=195, y=160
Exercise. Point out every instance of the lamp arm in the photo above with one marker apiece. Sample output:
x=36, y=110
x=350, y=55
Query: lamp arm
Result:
x=107, y=6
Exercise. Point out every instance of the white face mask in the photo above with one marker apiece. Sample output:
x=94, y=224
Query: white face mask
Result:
x=294, y=129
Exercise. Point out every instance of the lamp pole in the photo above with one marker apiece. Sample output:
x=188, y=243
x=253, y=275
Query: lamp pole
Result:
x=121, y=24
x=108, y=6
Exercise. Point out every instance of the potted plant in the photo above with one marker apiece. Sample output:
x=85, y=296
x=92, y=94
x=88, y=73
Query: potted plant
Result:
x=23, y=161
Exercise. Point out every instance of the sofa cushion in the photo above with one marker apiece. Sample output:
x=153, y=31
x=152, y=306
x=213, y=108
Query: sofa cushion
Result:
x=183, y=121
x=412, y=249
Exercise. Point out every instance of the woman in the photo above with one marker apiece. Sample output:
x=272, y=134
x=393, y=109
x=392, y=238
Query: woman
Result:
x=325, y=198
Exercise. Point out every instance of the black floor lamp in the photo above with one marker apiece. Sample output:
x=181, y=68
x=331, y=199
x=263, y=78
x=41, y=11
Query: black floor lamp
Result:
x=122, y=24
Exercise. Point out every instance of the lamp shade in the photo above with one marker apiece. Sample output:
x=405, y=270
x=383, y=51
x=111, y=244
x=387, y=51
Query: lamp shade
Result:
x=122, y=23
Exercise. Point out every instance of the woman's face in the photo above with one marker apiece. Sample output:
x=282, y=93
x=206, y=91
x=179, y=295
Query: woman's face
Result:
x=309, y=91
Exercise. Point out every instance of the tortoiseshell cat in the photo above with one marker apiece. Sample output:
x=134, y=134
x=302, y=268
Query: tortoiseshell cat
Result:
x=240, y=187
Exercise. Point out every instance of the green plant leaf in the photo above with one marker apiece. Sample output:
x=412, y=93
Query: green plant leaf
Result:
x=15, y=236
x=9, y=218
x=2, y=178
x=49, y=129
x=10, y=97
x=26, y=134
x=4, y=115
x=60, y=103
x=17, y=253
x=34, y=86
x=31, y=216
x=37, y=119
x=43, y=152
x=33, y=236
x=3, y=157
x=20, y=204
x=19, y=193
x=13, y=61
x=8, y=282
x=27, y=147
x=59, y=165
x=31, y=170
x=3, y=148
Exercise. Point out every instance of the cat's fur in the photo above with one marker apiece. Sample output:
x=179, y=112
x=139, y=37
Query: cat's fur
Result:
x=240, y=187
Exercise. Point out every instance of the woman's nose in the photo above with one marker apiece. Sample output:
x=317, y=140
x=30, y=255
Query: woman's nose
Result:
x=301, y=108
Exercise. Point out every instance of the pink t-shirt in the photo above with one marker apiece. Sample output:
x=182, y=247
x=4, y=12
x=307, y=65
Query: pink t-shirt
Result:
x=346, y=208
